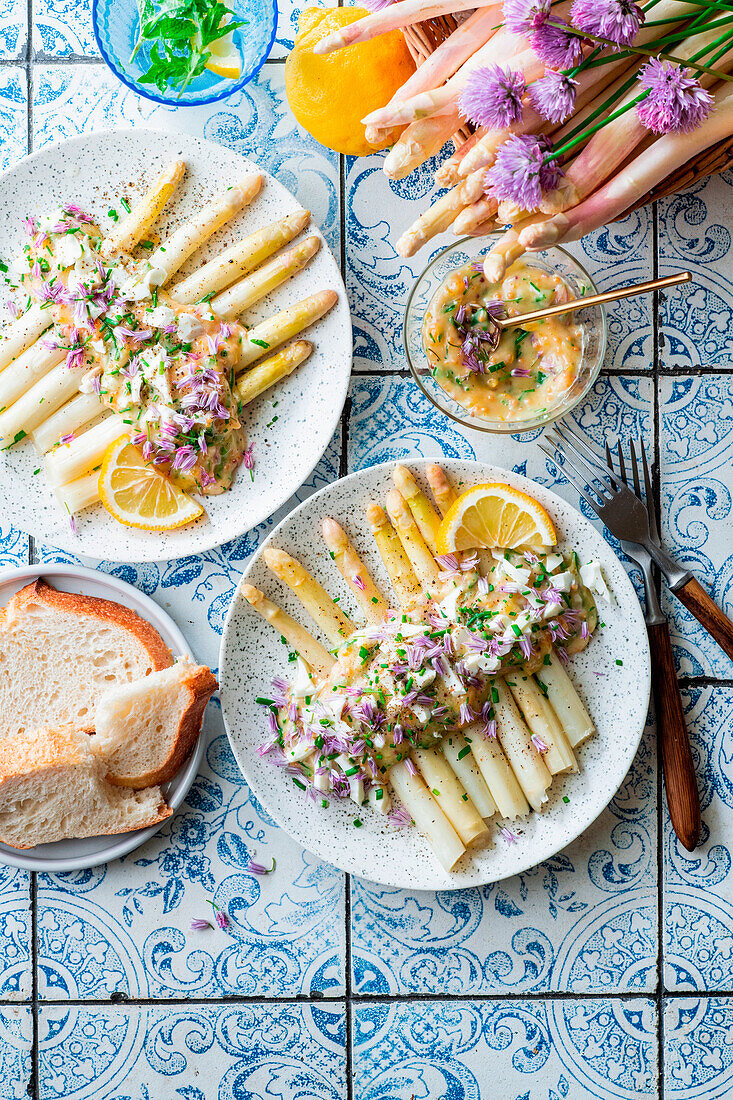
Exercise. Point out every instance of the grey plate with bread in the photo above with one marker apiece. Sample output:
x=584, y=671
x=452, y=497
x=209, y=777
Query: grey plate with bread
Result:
x=118, y=743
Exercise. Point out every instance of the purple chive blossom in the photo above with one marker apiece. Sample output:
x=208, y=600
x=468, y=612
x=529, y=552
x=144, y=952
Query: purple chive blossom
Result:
x=13, y=309
x=482, y=586
x=466, y=714
x=68, y=437
x=508, y=835
x=448, y=561
x=556, y=45
x=490, y=728
x=31, y=226
x=492, y=97
x=358, y=583
x=198, y=924
x=410, y=767
x=77, y=212
x=185, y=458
x=221, y=918
x=519, y=372
x=400, y=818
x=676, y=103
x=553, y=96
x=248, y=460
x=377, y=5
x=519, y=172
x=72, y=525
x=259, y=869
x=525, y=647
x=617, y=20
x=538, y=743
x=524, y=16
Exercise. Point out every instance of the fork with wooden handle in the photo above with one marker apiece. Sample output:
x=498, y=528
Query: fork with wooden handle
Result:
x=628, y=518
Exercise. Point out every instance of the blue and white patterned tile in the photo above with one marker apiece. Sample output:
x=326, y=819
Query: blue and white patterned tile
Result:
x=379, y=281
x=696, y=437
x=562, y=1050
x=698, y=1042
x=13, y=114
x=583, y=921
x=262, y=1052
x=75, y=99
x=13, y=28
x=698, y=886
x=288, y=14
x=16, y=1037
x=126, y=927
x=694, y=235
x=16, y=980
x=63, y=28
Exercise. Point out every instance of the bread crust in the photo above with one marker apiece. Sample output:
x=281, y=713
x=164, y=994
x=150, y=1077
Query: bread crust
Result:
x=107, y=611
x=201, y=684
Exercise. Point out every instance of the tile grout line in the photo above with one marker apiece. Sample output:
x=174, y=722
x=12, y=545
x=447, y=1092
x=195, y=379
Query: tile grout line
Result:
x=656, y=504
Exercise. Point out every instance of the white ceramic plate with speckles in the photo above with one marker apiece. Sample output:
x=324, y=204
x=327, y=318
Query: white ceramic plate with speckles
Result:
x=81, y=853
x=252, y=655
x=95, y=171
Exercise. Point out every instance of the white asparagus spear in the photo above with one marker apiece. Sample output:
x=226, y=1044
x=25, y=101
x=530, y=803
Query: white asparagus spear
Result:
x=544, y=724
x=442, y=63
x=498, y=775
x=451, y=796
x=527, y=764
x=79, y=494
x=239, y=259
x=441, y=215
x=312, y=652
x=401, y=14
x=447, y=174
x=170, y=256
x=425, y=516
x=565, y=701
x=441, y=488
x=134, y=226
x=85, y=451
x=355, y=573
x=247, y=292
x=457, y=752
x=35, y=362
x=284, y=325
x=38, y=403
x=23, y=332
x=422, y=561
x=473, y=217
x=420, y=141
x=266, y=373
x=71, y=417
x=427, y=815
x=326, y=614
x=397, y=564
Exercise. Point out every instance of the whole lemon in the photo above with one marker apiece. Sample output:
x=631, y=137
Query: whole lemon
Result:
x=329, y=95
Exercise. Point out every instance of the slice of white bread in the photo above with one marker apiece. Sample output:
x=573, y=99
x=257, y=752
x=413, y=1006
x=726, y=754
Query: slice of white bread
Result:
x=60, y=650
x=52, y=787
x=146, y=729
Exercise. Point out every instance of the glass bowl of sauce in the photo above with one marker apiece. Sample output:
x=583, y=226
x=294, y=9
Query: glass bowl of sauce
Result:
x=533, y=375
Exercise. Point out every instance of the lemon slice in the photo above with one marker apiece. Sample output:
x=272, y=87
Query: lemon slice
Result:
x=225, y=59
x=136, y=494
x=494, y=515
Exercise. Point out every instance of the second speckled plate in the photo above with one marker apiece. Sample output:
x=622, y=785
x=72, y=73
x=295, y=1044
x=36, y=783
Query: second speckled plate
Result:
x=617, y=699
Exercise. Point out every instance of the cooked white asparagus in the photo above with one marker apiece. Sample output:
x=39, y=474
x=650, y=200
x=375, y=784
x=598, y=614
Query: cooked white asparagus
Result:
x=247, y=292
x=401, y=574
x=424, y=564
x=284, y=325
x=79, y=494
x=326, y=614
x=71, y=417
x=269, y=371
x=34, y=363
x=239, y=259
x=355, y=573
x=451, y=796
x=311, y=650
x=84, y=452
x=37, y=404
x=457, y=752
x=427, y=815
x=440, y=487
x=170, y=256
x=526, y=762
x=565, y=701
x=23, y=332
x=425, y=516
x=543, y=723
x=131, y=229
x=498, y=775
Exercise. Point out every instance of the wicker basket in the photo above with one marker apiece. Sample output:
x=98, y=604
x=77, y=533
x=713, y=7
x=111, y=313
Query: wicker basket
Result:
x=423, y=38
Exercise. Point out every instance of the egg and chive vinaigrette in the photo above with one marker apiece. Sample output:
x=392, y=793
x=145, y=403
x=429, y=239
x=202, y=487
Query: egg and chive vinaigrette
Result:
x=530, y=370
x=406, y=682
x=167, y=369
